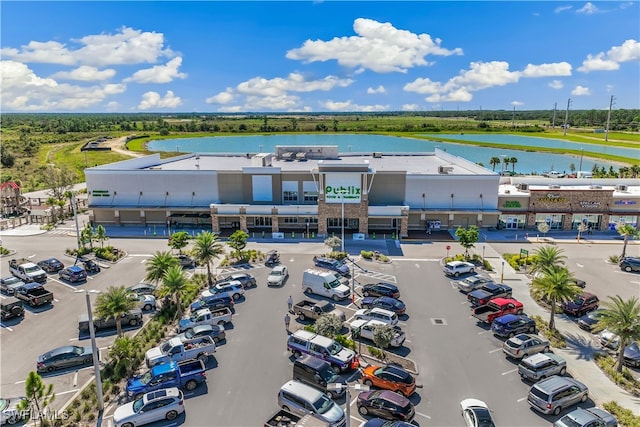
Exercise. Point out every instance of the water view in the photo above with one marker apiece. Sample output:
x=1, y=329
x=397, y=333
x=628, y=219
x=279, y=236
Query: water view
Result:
x=352, y=143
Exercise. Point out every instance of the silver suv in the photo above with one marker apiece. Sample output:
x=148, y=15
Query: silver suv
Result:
x=552, y=395
x=456, y=268
x=542, y=365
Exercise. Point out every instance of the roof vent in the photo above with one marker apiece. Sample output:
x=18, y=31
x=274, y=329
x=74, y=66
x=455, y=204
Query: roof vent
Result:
x=522, y=186
x=377, y=155
x=595, y=187
x=621, y=187
x=445, y=169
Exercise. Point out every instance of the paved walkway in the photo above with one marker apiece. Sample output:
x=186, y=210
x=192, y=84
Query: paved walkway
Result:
x=581, y=347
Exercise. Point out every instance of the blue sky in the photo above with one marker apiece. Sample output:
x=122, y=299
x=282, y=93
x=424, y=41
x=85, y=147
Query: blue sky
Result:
x=331, y=56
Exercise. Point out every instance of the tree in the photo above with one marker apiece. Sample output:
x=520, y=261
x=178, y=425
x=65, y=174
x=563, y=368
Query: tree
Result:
x=333, y=242
x=113, y=303
x=382, y=336
x=206, y=248
x=238, y=241
x=179, y=240
x=513, y=161
x=467, y=237
x=87, y=235
x=59, y=180
x=38, y=396
x=546, y=257
x=626, y=231
x=158, y=265
x=175, y=285
x=623, y=319
x=556, y=285
x=124, y=348
x=506, y=162
x=101, y=235
x=572, y=167
x=328, y=325
x=494, y=161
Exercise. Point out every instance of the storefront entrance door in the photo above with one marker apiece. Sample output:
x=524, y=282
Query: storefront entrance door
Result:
x=512, y=223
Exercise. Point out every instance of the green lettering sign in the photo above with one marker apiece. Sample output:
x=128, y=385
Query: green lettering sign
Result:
x=512, y=204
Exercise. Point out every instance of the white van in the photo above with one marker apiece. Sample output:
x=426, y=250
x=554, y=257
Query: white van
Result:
x=325, y=284
x=301, y=399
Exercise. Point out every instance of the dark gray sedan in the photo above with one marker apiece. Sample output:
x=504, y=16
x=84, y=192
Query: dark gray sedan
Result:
x=64, y=357
x=216, y=332
x=9, y=284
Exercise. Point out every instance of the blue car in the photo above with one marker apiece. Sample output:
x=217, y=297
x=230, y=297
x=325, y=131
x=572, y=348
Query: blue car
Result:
x=213, y=301
x=333, y=265
x=387, y=303
x=511, y=325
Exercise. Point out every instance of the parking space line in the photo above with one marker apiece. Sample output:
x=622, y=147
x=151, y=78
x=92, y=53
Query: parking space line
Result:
x=484, y=332
x=521, y=399
x=20, y=382
x=423, y=415
x=63, y=284
x=510, y=371
x=495, y=350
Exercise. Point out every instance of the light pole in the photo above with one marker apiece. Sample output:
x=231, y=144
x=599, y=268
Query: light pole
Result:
x=347, y=388
x=342, y=221
x=483, y=254
x=96, y=359
x=581, y=155
x=502, y=274
x=75, y=216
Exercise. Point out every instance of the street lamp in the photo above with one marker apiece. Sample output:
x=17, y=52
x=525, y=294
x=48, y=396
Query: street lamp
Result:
x=75, y=216
x=581, y=155
x=342, y=221
x=96, y=359
x=502, y=274
x=347, y=387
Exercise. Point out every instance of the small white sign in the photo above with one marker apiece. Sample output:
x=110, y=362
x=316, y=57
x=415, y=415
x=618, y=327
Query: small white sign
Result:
x=358, y=236
x=277, y=235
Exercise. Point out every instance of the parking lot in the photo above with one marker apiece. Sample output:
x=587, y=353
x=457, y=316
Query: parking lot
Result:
x=456, y=358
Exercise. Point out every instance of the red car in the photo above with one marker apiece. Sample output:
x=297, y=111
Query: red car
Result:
x=390, y=377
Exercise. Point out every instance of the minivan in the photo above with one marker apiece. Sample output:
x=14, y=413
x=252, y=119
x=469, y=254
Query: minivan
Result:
x=325, y=284
x=316, y=373
x=305, y=342
x=301, y=399
x=552, y=395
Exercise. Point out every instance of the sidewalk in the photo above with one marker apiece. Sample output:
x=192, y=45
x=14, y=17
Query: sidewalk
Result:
x=581, y=348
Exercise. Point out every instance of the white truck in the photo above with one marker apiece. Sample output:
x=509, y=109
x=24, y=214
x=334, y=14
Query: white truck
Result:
x=205, y=316
x=177, y=350
x=325, y=284
x=27, y=271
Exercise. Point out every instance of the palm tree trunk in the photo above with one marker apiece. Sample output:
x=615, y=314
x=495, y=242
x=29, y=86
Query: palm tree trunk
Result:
x=178, y=306
x=624, y=246
x=552, y=319
x=209, y=274
x=620, y=360
x=119, y=326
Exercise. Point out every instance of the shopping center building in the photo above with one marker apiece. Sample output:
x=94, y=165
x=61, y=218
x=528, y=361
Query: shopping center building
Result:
x=313, y=189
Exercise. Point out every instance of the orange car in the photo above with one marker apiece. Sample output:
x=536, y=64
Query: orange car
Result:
x=389, y=377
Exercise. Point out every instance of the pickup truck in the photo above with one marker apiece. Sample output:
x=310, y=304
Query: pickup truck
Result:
x=27, y=271
x=185, y=375
x=132, y=318
x=176, y=350
x=497, y=307
x=487, y=292
x=34, y=294
x=284, y=418
x=307, y=309
x=204, y=316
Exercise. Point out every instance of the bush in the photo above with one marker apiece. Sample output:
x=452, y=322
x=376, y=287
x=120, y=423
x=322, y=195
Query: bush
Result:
x=624, y=416
x=515, y=261
x=4, y=251
x=366, y=254
x=614, y=259
x=378, y=354
x=336, y=255
x=555, y=338
x=383, y=258
x=345, y=342
x=624, y=379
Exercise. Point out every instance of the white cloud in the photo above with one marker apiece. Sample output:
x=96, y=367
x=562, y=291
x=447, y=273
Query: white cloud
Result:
x=379, y=47
x=153, y=99
x=159, y=73
x=22, y=90
x=479, y=76
x=517, y=103
x=113, y=106
x=561, y=9
x=379, y=89
x=588, y=9
x=556, y=84
x=128, y=46
x=231, y=109
x=85, y=73
x=280, y=102
x=580, y=91
x=294, y=82
x=410, y=107
x=350, y=106
x=221, y=98
x=609, y=61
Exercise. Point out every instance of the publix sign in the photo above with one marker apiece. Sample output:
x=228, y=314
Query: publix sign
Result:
x=341, y=187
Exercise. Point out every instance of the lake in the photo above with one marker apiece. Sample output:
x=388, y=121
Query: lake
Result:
x=528, y=162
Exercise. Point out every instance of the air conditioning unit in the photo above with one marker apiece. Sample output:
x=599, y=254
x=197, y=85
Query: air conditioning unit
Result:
x=445, y=169
x=523, y=187
x=621, y=187
x=377, y=155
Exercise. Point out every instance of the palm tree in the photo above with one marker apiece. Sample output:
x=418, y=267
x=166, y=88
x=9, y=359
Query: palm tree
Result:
x=546, y=257
x=506, y=162
x=101, y=235
x=176, y=285
x=623, y=319
x=159, y=264
x=513, y=162
x=494, y=161
x=626, y=231
x=206, y=248
x=114, y=303
x=635, y=171
x=556, y=285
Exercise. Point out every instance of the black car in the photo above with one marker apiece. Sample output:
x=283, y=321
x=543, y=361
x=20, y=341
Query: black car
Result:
x=74, y=273
x=588, y=321
x=379, y=422
x=381, y=289
x=213, y=301
x=272, y=258
x=511, y=325
x=385, y=404
x=630, y=264
x=64, y=357
x=245, y=279
x=386, y=303
x=51, y=265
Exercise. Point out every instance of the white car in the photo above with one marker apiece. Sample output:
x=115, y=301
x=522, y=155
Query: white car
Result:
x=380, y=314
x=609, y=340
x=9, y=412
x=145, y=302
x=164, y=404
x=278, y=276
x=365, y=329
x=233, y=288
x=456, y=268
x=476, y=413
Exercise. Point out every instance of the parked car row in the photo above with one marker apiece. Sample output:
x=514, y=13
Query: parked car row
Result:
x=551, y=391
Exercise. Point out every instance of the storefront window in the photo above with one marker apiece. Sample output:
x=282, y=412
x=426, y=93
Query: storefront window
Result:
x=310, y=196
x=290, y=196
x=622, y=219
x=512, y=222
x=554, y=220
x=290, y=220
x=334, y=222
x=591, y=221
x=262, y=221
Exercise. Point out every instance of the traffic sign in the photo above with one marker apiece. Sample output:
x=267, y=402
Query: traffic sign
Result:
x=448, y=247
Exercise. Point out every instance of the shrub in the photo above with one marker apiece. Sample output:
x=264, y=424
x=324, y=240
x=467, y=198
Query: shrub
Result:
x=555, y=338
x=366, y=254
x=336, y=255
x=614, y=259
x=487, y=265
x=309, y=328
x=624, y=379
x=378, y=354
x=345, y=342
x=624, y=416
x=4, y=251
x=383, y=258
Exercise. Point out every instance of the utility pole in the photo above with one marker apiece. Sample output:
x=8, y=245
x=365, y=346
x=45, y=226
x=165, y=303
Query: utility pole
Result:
x=555, y=107
x=606, y=131
x=566, y=116
x=513, y=118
